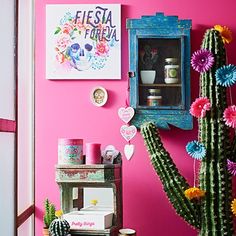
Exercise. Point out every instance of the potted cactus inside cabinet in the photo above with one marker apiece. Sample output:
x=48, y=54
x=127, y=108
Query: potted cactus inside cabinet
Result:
x=49, y=216
x=208, y=204
x=148, y=58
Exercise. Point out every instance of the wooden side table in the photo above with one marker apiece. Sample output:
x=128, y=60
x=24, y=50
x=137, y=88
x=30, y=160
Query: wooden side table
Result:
x=93, y=176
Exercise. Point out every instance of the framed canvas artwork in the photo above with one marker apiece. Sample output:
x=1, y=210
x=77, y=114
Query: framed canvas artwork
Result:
x=83, y=41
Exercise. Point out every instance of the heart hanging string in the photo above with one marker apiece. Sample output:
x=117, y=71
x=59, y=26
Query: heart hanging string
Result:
x=127, y=131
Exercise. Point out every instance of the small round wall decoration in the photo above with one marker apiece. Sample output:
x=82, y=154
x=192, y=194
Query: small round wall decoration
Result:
x=99, y=96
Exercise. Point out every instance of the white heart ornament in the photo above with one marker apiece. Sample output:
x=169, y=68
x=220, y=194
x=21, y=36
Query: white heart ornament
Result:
x=128, y=132
x=129, y=151
x=126, y=114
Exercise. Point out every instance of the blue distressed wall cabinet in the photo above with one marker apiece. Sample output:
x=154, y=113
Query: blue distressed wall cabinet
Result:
x=159, y=58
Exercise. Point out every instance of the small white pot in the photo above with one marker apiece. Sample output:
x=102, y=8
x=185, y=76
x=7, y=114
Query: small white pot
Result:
x=148, y=76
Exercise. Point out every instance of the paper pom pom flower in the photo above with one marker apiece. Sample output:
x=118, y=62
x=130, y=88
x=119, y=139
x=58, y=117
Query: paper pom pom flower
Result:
x=194, y=192
x=226, y=75
x=200, y=106
x=230, y=116
x=202, y=60
x=225, y=33
x=231, y=167
x=196, y=150
x=233, y=206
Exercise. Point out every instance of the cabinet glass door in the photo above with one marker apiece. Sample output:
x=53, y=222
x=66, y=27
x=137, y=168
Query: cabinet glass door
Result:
x=159, y=73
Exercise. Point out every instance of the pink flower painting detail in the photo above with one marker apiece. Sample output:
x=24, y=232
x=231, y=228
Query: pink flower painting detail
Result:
x=68, y=28
x=102, y=48
x=199, y=107
x=63, y=42
x=230, y=116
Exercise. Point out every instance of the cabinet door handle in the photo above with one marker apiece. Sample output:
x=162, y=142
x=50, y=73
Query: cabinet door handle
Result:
x=131, y=74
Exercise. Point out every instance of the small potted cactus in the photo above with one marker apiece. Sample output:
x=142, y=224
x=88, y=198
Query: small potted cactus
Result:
x=49, y=216
x=59, y=226
x=147, y=59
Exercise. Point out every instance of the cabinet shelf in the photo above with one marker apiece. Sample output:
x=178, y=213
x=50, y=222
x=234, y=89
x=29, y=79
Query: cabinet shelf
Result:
x=160, y=85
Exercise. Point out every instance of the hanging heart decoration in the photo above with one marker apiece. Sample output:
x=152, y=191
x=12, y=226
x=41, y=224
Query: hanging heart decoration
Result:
x=126, y=114
x=128, y=132
x=129, y=151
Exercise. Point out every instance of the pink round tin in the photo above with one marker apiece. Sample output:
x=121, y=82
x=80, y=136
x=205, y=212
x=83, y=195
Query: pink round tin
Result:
x=70, y=151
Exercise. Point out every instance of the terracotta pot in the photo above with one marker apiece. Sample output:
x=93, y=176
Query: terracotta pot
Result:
x=45, y=232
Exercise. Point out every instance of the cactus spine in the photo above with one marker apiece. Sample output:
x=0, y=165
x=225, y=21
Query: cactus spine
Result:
x=212, y=216
x=49, y=214
x=59, y=227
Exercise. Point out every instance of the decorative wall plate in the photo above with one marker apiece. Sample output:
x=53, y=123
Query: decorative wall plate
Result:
x=99, y=96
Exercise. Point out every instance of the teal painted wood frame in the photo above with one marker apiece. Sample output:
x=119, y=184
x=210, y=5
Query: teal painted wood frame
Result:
x=160, y=27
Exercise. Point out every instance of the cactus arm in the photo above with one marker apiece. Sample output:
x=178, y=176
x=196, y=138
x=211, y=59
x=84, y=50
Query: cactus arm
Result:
x=46, y=215
x=174, y=183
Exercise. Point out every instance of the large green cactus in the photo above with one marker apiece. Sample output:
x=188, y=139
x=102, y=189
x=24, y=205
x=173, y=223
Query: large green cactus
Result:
x=212, y=215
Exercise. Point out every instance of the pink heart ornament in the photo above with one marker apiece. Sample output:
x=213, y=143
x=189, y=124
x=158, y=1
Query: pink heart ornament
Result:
x=128, y=132
x=129, y=151
x=126, y=114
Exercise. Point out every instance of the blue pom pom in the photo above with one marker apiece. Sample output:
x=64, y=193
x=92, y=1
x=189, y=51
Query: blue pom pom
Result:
x=226, y=75
x=196, y=150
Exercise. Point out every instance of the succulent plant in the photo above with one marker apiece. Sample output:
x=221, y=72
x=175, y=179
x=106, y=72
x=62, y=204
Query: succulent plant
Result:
x=49, y=214
x=59, y=227
x=148, y=57
x=211, y=215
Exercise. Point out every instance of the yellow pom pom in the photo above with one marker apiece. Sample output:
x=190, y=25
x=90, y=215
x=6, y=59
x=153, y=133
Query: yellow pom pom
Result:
x=225, y=33
x=59, y=213
x=192, y=193
x=94, y=202
x=233, y=206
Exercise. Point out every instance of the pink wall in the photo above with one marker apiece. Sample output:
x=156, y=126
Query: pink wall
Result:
x=63, y=109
